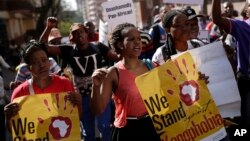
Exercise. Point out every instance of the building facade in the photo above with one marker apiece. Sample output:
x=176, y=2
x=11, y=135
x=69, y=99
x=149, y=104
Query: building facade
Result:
x=16, y=18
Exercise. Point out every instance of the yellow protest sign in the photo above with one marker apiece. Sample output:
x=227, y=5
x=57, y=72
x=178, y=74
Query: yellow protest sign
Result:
x=180, y=105
x=46, y=117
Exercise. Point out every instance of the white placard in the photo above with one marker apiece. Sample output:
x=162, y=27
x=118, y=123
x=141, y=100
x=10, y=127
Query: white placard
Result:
x=212, y=60
x=103, y=32
x=118, y=12
x=203, y=35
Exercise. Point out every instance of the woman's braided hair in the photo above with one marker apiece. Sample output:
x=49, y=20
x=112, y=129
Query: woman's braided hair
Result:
x=118, y=35
x=168, y=17
x=32, y=47
x=169, y=49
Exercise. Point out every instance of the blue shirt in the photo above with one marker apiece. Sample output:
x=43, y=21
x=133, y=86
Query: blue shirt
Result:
x=241, y=31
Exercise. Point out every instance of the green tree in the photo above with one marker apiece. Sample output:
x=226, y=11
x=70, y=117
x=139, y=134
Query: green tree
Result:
x=64, y=27
x=56, y=8
x=66, y=18
x=47, y=8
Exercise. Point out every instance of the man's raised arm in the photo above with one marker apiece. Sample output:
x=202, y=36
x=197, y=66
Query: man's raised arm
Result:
x=220, y=21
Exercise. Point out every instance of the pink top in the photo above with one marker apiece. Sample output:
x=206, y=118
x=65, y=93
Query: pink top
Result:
x=127, y=98
x=58, y=84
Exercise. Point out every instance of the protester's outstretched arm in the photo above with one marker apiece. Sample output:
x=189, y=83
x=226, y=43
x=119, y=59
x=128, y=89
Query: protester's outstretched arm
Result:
x=222, y=22
x=112, y=55
x=104, y=81
x=51, y=23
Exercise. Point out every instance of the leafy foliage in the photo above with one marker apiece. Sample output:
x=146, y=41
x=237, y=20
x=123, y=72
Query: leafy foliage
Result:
x=64, y=27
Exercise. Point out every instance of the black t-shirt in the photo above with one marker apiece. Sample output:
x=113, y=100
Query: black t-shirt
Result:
x=83, y=63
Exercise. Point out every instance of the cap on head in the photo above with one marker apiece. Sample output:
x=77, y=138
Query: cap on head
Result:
x=74, y=27
x=190, y=13
x=54, y=33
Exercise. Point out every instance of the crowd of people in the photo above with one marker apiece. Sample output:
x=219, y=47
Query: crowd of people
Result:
x=102, y=82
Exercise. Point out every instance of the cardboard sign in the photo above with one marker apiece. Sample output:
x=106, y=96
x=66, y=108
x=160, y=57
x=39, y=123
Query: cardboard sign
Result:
x=46, y=117
x=103, y=32
x=212, y=60
x=118, y=12
x=180, y=105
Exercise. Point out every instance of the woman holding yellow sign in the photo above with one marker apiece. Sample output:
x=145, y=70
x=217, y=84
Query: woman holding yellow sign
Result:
x=35, y=56
x=132, y=121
